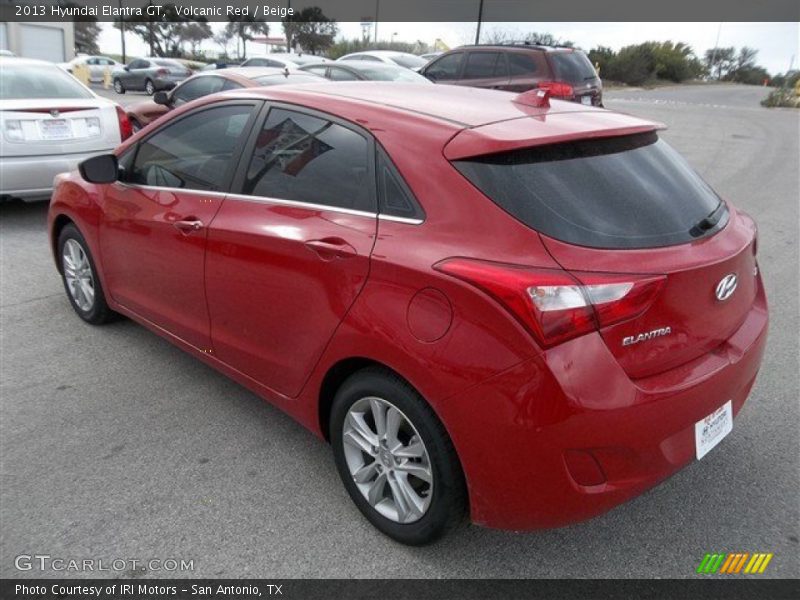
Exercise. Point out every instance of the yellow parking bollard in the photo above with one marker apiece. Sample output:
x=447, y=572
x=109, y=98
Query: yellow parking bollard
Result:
x=81, y=73
x=107, y=78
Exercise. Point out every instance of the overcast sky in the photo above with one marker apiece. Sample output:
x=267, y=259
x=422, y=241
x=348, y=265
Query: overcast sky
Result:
x=776, y=43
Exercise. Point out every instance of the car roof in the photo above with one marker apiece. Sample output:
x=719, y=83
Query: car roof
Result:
x=247, y=72
x=456, y=107
x=361, y=66
x=517, y=46
x=32, y=62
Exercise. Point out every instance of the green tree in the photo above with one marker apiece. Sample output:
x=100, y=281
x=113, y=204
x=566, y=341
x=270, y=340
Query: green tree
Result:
x=161, y=32
x=246, y=29
x=194, y=34
x=310, y=29
x=720, y=60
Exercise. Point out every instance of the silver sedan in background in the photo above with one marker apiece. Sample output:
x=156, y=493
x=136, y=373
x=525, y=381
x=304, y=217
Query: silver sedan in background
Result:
x=49, y=122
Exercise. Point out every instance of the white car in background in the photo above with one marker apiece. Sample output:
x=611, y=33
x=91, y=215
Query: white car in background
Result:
x=282, y=60
x=97, y=66
x=49, y=122
x=403, y=59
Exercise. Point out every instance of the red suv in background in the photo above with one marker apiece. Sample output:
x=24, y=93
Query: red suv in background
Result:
x=489, y=306
x=565, y=72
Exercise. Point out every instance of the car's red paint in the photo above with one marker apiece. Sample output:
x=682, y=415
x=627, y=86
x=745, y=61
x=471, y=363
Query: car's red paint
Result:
x=256, y=297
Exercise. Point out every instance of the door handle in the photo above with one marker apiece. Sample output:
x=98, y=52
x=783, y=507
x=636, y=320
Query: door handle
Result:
x=189, y=225
x=331, y=247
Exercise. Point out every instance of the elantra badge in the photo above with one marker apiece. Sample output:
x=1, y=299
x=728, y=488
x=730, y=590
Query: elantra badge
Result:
x=726, y=287
x=630, y=340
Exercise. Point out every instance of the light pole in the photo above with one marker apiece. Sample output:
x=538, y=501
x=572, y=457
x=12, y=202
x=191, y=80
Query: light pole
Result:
x=377, y=14
x=480, y=18
x=122, y=31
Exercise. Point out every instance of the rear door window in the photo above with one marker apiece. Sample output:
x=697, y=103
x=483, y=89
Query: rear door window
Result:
x=310, y=159
x=480, y=65
x=623, y=192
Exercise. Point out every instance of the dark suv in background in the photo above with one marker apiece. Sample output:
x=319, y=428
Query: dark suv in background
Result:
x=566, y=72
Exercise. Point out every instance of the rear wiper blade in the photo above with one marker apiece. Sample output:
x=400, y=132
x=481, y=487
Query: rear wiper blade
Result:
x=709, y=221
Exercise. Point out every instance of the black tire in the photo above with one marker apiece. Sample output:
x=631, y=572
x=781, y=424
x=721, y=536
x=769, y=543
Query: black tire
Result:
x=99, y=312
x=149, y=87
x=118, y=87
x=448, y=505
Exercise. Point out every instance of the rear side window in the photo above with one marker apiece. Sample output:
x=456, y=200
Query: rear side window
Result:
x=395, y=197
x=624, y=192
x=309, y=159
x=572, y=67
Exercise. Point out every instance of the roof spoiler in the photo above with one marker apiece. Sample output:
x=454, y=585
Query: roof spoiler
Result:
x=536, y=97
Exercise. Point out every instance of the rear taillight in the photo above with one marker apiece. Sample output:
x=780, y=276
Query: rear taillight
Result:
x=162, y=72
x=556, y=305
x=557, y=88
x=125, y=127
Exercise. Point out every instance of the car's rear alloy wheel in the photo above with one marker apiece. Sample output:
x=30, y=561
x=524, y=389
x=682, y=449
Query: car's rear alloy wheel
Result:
x=118, y=87
x=387, y=460
x=149, y=88
x=80, y=277
x=395, y=458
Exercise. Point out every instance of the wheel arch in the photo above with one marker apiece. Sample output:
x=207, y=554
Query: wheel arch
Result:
x=59, y=222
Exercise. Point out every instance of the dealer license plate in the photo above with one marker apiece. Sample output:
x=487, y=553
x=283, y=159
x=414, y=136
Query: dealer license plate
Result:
x=711, y=430
x=56, y=129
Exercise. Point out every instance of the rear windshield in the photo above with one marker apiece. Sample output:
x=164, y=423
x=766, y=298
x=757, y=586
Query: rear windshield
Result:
x=23, y=82
x=572, y=67
x=624, y=192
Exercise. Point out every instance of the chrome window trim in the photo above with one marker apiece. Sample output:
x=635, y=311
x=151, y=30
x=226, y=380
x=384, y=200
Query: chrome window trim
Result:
x=396, y=219
x=278, y=201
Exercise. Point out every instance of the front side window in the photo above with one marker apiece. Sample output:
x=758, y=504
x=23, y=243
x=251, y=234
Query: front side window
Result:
x=621, y=192
x=310, y=159
x=194, y=153
x=446, y=68
x=338, y=74
x=196, y=88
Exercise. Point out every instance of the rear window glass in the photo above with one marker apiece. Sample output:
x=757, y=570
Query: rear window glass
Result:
x=624, y=192
x=18, y=82
x=573, y=67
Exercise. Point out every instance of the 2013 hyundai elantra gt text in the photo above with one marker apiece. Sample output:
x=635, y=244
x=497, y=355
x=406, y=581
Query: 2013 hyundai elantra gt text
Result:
x=491, y=305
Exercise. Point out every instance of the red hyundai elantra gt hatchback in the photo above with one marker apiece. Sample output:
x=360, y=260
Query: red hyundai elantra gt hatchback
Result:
x=489, y=305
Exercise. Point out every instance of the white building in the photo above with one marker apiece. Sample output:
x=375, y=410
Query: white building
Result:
x=46, y=41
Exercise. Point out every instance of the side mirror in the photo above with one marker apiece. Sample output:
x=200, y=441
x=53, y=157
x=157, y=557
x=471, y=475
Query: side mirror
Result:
x=126, y=68
x=161, y=97
x=100, y=169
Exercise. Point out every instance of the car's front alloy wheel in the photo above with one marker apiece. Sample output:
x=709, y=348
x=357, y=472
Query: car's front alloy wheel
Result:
x=78, y=272
x=118, y=87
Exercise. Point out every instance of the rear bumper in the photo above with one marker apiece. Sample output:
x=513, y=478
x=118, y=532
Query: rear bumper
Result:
x=528, y=436
x=31, y=177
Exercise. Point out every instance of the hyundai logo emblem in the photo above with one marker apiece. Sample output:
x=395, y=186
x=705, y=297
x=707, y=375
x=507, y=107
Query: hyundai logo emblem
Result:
x=726, y=287
x=54, y=113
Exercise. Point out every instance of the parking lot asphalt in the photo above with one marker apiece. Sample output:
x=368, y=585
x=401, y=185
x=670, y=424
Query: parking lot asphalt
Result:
x=115, y=444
